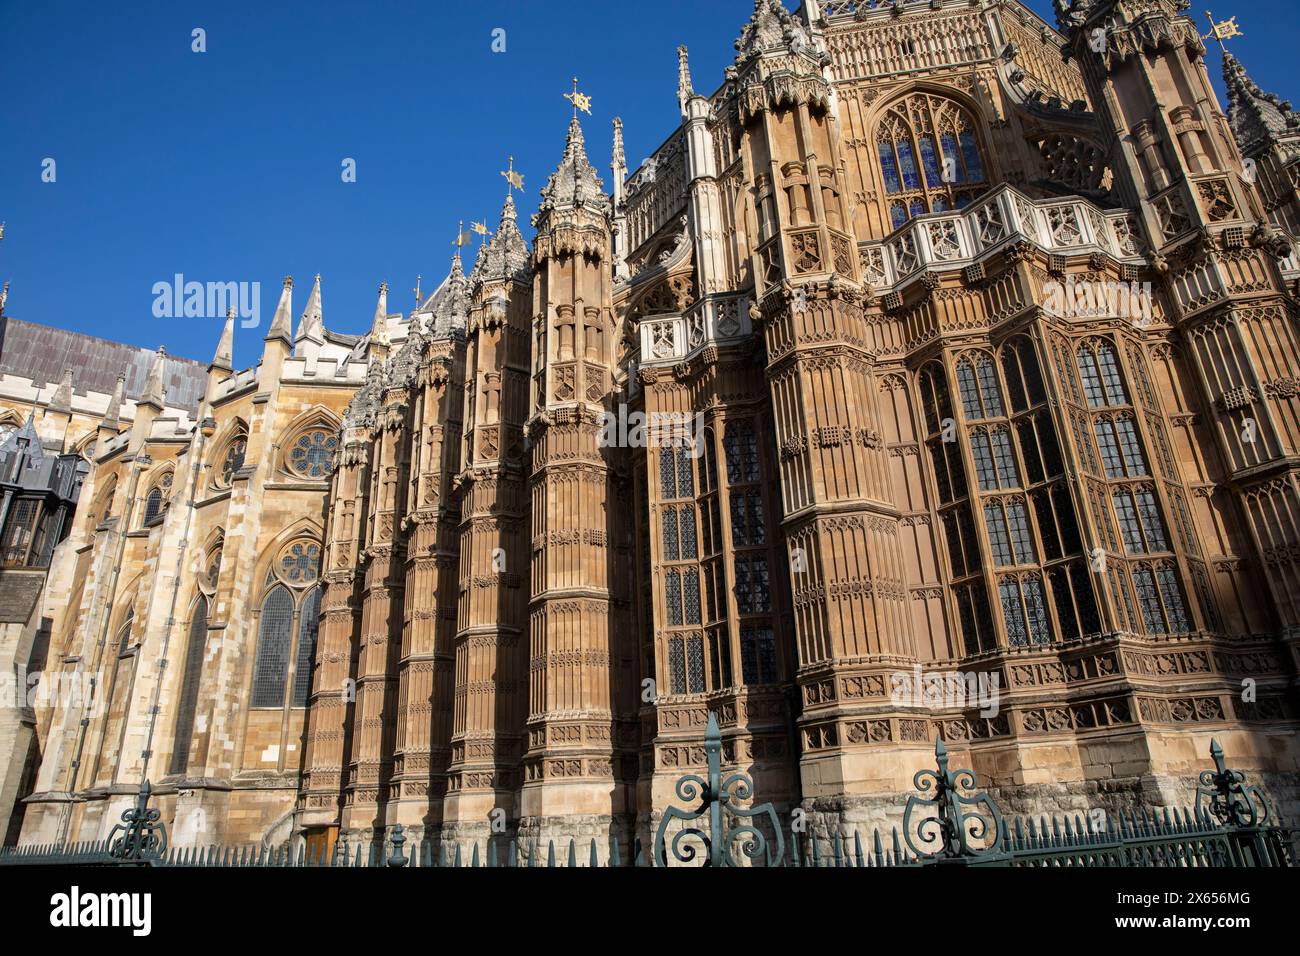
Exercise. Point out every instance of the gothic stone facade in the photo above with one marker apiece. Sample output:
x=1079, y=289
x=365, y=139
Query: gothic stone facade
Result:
x=406, y=578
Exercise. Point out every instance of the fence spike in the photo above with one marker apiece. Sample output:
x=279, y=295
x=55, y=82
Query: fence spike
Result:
x=615, y=859
x=591, y=862
x=512, y=853
x=456, y=860
x=816, y=850
x=1056, y=831
x=837, y=850
x=638, y=858
x=550, y=853
x=857, y=847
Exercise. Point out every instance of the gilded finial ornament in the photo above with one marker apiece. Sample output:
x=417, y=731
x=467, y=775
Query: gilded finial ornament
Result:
x=516, y=180
x=479, y=228
x=416, y=290
x=1222, y=30
x=580, y=101
x=462, y=237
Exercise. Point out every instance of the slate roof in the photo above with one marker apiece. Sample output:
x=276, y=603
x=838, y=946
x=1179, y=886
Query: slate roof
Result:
x=42, y=352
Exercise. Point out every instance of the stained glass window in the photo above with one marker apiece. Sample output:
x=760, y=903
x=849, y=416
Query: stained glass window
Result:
x=234, y=459
x=741, y=447
x=153, y=505
x=312, y=453
x=308, y=628
x=670, y=534
x=300, y=564
x=191, y=676
x=274, y=635
x=928, y=137
x=1099, y=369
x=691, y=599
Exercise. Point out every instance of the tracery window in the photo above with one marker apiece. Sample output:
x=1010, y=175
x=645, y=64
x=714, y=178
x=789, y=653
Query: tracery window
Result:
x=287, y=628
x=191, y=676
x=156, y=501
x=232, y=458
x=312, y=453
x=930, y=157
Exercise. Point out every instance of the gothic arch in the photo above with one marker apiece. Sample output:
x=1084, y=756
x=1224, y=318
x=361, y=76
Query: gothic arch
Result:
x=229, y=455
x=930, y=152
x=305, y=448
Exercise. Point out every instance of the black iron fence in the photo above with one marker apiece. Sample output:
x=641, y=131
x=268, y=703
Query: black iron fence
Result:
x=947, y=822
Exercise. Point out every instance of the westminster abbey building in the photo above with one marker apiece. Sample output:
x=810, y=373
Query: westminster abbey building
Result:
x=979, y=337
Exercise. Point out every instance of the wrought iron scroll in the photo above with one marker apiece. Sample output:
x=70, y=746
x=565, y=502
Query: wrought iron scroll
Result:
x=1227, y=797
x=728, y=823
x=141, y=834
x=959, y=818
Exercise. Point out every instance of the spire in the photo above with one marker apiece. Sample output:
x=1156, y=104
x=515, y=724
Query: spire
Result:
x=618, y=159
x=312, y=325
x=684, y=89
x=379, y=327
x=282, y=324
x=505, y=255
x=452, y=313
x=112, y=419
x=1258, y=119
x=575, y=183
x=4, y=297
x=224, y=358
x=154, y=388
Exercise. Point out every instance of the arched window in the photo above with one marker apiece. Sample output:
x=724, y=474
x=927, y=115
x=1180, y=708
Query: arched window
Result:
x=232, y=458
x=273, y=639
x=977, y=380
x=311, y=454
x=308, y=628
x=1099, y=369
x=188, y=698
x=155, y=503
x=930, y=157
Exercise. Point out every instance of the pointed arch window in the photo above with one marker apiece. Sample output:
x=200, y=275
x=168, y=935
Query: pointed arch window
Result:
x=308, y=629
x=232, y=458
x=930, y=157
x=191, y=677
x=275, y=632
x=155, y=503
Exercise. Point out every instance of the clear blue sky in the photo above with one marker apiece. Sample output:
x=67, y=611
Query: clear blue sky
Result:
x=225, y=166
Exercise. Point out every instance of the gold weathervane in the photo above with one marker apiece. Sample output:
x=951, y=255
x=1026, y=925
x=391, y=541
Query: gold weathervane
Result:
x=580, y=101
x=516, y=180
x=479, y=228
x=1222, y=30
x=462, y=237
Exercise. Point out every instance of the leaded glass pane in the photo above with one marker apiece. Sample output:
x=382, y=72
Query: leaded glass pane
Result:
x=999, y=543
x=677, y=665
x=1022, y=542
x=670, y=534
x=153, y=505
x=1149, y=601
x=274, y=633
x=985, y=473
x=989, y=390
x=1108, y=365
x=930, y=161
x=907, y=165
x=1109, y=447
x=308, y=628
x=687, y=522
x=1134, y=460
x=668, y=472
x=1040, y=629
x=234, y=459
x=970, y=152
x=301, y=563
x=889, y=166
x=1013, y=613
x=757, y=530
x=312, y=454
x=1008, y=474
x=695, y=664
x=692, y=597
x=1153, y=525
x=1091, y=380
x=1172, y=596
x=968, y=387
x=1129, y=527
x=195, y=648
x=685, y=482
x=673, y=586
